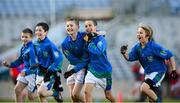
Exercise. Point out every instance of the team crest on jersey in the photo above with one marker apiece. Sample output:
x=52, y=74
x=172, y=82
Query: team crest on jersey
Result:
x=56, y=54
x=100, y=44
x=163, y=52
x=66, y=52
x=45, y=54
x=150, y=58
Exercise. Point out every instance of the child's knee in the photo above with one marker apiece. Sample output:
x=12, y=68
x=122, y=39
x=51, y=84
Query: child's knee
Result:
x=17, y=90
x=41, y=92
x=87, y=93
x=75, y=95
x=31, y=97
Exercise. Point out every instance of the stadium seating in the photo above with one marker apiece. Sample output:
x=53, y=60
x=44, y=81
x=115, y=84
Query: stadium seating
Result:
x=43, y=7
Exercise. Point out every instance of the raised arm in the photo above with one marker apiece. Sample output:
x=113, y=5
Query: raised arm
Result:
x=124, y=52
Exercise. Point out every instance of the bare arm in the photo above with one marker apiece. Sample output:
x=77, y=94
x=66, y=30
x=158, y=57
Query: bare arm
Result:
x=174, y=74
x=173, y=63
x=126, y=56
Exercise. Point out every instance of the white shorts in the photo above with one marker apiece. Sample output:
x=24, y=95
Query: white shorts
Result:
x=29, y=80
x=155, y=77
x=48, y=85
x=76, y=77
x=39, y=80
x=104, y=83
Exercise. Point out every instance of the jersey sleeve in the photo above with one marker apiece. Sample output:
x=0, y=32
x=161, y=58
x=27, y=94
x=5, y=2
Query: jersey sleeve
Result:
x=67, y=53
x=57, y=59
x=18, y=61
x=83, y=63
x=97, y=48
x=161, y=52
x=33, y=57
x=133, y=54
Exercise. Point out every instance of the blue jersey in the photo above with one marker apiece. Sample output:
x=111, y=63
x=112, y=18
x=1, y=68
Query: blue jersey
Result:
x=73, y=49
x=98, y=65
x=49, y=56
x=28, y=57
x=152, y=57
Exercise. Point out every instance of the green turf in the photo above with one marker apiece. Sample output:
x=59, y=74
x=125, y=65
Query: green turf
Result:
x=96, y=100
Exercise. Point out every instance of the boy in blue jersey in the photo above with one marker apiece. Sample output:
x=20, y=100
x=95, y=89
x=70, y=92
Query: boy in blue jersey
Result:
x=72, y=48
x=50, y=62
x=99, y=68
x=152, y=57
x=27, y=76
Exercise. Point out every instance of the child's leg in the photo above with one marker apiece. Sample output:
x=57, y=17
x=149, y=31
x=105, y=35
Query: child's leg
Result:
x=77, y=92
x=18, y=90
x=88, y=88
x=109, y=95
x=145, y=88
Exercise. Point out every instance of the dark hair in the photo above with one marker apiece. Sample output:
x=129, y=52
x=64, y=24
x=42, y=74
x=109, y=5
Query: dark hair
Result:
x=27, y=30
x=94, y=21
x=43, y=25
x=73, y=19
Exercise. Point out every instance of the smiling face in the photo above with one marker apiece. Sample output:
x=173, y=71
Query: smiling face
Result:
x=40, y=33
x=90, y=26
x=71, y=27
x=142, y=35
x=25, y=38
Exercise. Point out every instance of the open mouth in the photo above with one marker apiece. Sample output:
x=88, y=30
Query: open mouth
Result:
x=139, y=38
x=69, y=30
x=39, y=35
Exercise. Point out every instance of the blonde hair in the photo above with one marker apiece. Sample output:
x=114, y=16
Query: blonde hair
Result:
x=73, y=19
x=148, y=30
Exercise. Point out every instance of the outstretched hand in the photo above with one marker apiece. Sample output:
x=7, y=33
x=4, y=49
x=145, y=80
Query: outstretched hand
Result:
x=6, y=64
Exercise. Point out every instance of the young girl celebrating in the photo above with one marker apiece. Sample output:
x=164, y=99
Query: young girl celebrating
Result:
x=152, y=57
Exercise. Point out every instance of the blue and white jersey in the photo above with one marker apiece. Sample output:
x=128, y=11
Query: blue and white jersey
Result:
x=73, y=49
x=99, y=64
x=28, y=57
x=152, y=57
x=49, y=55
